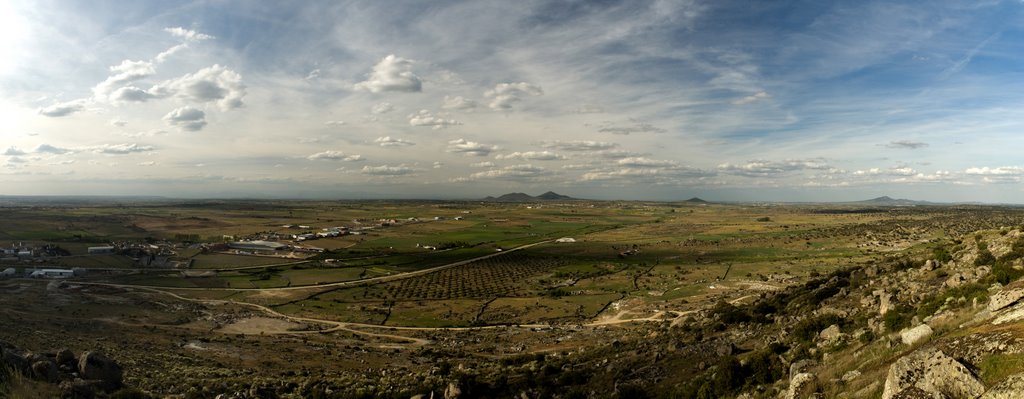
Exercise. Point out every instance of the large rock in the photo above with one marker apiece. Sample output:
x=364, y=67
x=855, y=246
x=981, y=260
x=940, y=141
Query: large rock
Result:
x=884, y=304
x=1010, y=388
x=452, y=392
x=66, y=358
x=914, y=335
x=94, y=366
x=830, y=335
x=1004, y=298
x=45, y=370
x=801, y=386
x=933, y=372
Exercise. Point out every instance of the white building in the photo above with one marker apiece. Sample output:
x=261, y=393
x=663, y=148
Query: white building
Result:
x=257, y=245
x=52, y=273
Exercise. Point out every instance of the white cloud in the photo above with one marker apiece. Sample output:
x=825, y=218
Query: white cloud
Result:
x=147, y=163
x=49, y=149
x=645, y=162
x=582, y=145
x=532, y=156
x=334, y=123
x=392, y=74
x=458, y=103
x=63, y=109
x=382, y=108
x=425, y=118
x=998, y=171
x=438, y=165
x=463, y=146
x=121, y=149
x=762, y=168
x=187, y=34
x=388, y=170
x=118, y=122
x=485, y=164
x=13, y=151
x=126, y=72
x=331, y=155
x=514, y=172
x=148, y=133
x=761, y=95
x=186, y=118
x=215, y=83
x=627, y=130
x=129, y=94
x=505, y=95
x=388, y=141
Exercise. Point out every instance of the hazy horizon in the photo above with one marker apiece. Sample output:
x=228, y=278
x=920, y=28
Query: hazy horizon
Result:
x=653, y=100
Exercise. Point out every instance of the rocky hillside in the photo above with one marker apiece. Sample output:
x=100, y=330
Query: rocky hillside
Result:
x=28, y=374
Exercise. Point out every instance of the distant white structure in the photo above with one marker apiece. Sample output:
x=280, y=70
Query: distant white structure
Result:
x=565, y=240
x=257, y=245
x=8, y=272
x=52, y=273
x=101, y=250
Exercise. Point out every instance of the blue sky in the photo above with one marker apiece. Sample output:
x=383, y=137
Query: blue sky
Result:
x=727, y=100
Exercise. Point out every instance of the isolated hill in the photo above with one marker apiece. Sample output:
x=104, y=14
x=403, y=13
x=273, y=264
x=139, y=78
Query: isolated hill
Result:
x=889, y=201
x=523, y=197
x=696, y=200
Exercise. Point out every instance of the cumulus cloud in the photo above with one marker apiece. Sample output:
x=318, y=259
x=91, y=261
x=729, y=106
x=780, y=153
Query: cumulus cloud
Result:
x=425, y=118
x=388, y=141
x=49, y=149
x=458, y=103
x=673, y=174
x=126, y=72
x=997, y=171
x=762, y=168
x=147, y=163
x=331, y=155
x=580, y=145
x=505, y=95
x=388, y=170
x=63, y=109
x=382, y=108
x=761, y=95
x=514, y=172
x=617, y=154
x=13, y=151
x=627, y=130
x=392, y=74
x=215, y=83
x=644, y=162
x=532, y=156
x=121, y=149
x=463, y=146
x=485, y=164
x=334, y=123
x=906, y=144
x=118, y=122
x=129, y=94
x=186, y=118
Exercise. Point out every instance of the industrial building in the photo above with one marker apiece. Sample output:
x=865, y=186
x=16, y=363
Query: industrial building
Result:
x=52, y=273
x=257, y=245
x=101, y=250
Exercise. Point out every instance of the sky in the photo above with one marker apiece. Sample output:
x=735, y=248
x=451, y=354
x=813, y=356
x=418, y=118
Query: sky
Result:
x=637, y=100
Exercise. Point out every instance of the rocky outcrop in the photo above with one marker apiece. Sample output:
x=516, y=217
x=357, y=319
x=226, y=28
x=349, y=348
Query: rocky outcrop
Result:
x=93, y=373
x=932, y=372
x=802, y=385
x=1010, y=388
x=1006, y=297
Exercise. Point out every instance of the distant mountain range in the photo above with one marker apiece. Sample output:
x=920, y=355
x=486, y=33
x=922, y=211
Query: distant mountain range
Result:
x=522, y=197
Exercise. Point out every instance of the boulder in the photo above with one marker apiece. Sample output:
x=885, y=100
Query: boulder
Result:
x=884, y=304
x=65, y=357
x=453, y=391
x=1004, y=298
x=929, y=265
x=1010, y=388
x=800, y=366
x=78, y=389
x=933, y=372
x=14, y=360
x=45, y=370
x=801, y=386
x=914, y=335
x=94, y=366
x=830, y=334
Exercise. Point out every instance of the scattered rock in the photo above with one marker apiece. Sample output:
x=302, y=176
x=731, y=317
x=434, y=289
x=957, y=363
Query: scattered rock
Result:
x=932, y=372
x=800, y=366
x=1010, y=388
x=911, y=336
x=851, y=375
x=452, y=392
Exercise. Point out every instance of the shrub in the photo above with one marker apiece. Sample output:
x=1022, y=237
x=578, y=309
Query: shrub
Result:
x=897, y=318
